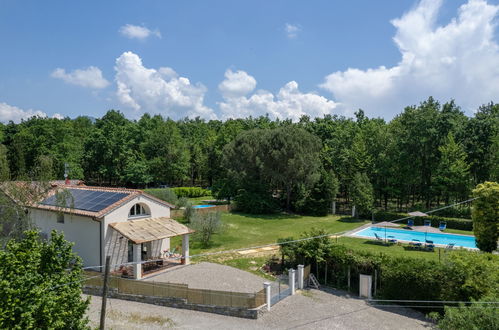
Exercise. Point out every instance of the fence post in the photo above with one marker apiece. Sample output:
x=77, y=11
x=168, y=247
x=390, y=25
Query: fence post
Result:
x=300, y=276
x=348, y=278
x=266, y=286
x=291, y=273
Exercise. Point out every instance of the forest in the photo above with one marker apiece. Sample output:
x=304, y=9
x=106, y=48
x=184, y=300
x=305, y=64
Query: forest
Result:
x=428, y=154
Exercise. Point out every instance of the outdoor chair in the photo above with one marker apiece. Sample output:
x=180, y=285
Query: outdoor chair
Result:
x=415, y=243
x=427, y=223
x=442, y=226
x=392, y=240
x=410, y=223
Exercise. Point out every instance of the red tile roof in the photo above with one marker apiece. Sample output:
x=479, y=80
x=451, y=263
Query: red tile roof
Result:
x=55, y=186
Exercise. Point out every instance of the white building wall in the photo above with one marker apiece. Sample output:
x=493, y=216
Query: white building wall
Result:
x=82, y=231
x=114, y=243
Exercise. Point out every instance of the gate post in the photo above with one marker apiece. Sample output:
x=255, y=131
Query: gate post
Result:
x=291, y=273
x=266, y=287
x=300, y=277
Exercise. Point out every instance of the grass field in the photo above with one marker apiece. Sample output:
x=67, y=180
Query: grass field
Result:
x=244, y=230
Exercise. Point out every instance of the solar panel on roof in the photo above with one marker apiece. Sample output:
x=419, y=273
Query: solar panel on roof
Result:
x=87, y=200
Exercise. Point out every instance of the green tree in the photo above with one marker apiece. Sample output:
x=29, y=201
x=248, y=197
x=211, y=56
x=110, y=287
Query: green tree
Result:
x=362, y=194
x=4, y=164
x=40, y=284
x=485, y=215
x=205, y=225
x=453, y=170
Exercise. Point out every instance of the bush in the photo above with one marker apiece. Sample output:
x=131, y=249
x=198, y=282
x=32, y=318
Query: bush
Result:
x=452, y=223
x=191, y=192
x=205, y=225
x=189, y=211
x=165, y=194
x=460, y=276
x=472, y=317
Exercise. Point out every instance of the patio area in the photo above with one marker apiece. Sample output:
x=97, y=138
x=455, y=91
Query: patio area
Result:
x=149, y=245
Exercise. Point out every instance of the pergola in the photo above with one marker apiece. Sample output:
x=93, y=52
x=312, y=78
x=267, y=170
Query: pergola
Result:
x=152, y=229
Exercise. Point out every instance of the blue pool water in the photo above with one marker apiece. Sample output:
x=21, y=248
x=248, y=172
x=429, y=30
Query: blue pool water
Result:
x=409, y=235
x=202, y=206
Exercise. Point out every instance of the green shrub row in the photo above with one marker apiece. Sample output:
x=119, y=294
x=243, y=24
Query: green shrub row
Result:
x=459, y=276
x=452, y=223
x=191, y=192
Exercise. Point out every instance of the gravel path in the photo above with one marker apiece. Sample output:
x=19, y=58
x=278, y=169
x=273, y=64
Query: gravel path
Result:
x=313, y=309
x=207, y=275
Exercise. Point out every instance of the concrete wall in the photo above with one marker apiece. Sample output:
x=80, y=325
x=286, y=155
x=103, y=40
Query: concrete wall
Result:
x=177, y=303
x=83, y=231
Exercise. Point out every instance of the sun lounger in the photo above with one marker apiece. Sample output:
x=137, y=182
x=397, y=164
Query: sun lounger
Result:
x=450, y=246
x=427, y=223
x=415, y=243
x=442, y=226
x=410, y=223
x=392, y=240
x=378, y=238
x=429, y=245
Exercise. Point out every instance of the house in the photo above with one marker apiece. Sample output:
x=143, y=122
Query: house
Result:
x=126, y=224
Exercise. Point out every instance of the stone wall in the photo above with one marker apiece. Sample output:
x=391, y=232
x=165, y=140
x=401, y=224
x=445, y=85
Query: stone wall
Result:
x=175, y=303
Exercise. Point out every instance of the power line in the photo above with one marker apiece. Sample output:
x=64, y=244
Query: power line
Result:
x=270, y=244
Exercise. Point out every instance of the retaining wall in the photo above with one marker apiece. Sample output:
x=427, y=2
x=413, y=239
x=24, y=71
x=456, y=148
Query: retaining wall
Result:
x=175, y=303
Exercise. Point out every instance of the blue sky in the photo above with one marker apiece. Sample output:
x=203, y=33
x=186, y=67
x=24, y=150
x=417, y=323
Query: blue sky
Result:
x=222, y=59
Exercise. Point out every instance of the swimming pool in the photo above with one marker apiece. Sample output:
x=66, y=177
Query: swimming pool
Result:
x=202, y=206
x=409, y=235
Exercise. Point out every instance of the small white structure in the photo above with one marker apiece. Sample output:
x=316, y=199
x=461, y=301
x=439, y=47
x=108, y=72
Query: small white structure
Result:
x=129, y=225
x=365, y=286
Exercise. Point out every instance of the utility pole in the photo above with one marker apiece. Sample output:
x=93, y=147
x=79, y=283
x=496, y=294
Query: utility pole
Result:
x=104, y=295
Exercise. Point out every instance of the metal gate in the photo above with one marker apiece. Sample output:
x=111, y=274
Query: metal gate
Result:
x=279, y=289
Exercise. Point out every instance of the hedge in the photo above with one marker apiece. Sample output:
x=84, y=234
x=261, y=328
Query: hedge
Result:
x=460, y=276
x=191, y=192
x=452, y=223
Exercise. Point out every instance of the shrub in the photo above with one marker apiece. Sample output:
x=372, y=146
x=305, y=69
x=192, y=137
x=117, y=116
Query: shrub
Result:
x=189, y=211
x=165, y=194
x=191, y=192
x=205, y=225
x=472, y=317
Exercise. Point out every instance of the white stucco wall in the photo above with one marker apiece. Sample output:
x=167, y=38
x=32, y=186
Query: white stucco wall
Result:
x=118, y=247
x=83, y=231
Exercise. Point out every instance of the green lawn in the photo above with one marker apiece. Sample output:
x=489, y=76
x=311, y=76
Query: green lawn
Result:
x=244, y=230
x=402, y=250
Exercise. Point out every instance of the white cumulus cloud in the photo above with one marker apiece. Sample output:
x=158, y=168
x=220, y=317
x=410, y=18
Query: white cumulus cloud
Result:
x=90, y=77
x=289, y=102
x=138, y=32
x=236, y=84
x=160, y=91
x=292, y=30
x=458, y=60
x=15, y=114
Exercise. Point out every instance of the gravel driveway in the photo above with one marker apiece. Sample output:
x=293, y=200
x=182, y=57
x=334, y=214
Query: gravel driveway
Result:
x=312, y=310
x=207, y=275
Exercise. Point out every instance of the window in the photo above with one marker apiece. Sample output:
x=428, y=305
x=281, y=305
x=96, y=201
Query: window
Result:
x=60, y=217
x=138, y=210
